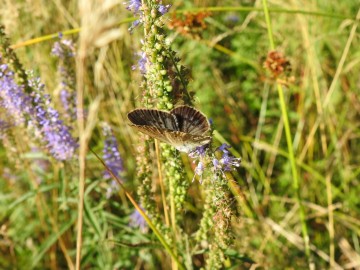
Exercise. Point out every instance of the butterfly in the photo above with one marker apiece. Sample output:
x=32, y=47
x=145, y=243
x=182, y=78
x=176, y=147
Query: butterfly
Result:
x=184, y=127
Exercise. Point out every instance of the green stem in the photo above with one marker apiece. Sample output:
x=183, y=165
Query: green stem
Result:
x=143, y=214
x=289, y=143
x=273, y=10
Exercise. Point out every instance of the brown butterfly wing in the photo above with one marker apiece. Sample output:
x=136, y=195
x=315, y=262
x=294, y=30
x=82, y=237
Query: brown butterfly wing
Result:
x=153, y=132
x=184, y=127
x=191, y=120
x=153, y=118
x=185, y=142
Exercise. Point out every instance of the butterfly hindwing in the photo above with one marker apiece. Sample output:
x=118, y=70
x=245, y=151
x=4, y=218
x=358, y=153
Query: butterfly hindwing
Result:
x=184, y=141
x=191, y=120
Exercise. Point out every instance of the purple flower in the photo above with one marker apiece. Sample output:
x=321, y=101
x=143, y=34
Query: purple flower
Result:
x=112, y=159
x=133, y=6
x=65, y=51
x=134, y=24
x=142, y=63
x=13, y=97
x=65, y=98
x=199, y=170
x=164, y=9
x=227, y=162
x=35, y=111
x=137, y=221
x=63, y=48
x=216, y=164
x=199, y=152
x=50, y=127
x=232, y=18
x=224, y=148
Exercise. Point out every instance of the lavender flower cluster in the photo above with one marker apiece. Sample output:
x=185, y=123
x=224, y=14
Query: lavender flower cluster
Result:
x=112, y=159
x=47, y=120
x=64, y=50
x=225, y=164
x=137, y=221
x=12, y=96
x=35, y=111
x=114, y=162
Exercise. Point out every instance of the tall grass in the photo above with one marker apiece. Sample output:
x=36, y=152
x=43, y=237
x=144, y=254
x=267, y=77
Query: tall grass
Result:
x=280, y=83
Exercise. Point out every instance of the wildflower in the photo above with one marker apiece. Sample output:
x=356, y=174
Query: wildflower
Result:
x=68, y=100
x=277, y=63
x=199, y=152
x=227, y=162
x=232, y=18
x=47, y=122
x=35, y=111
x=138, y=221
x=164, y=9
x=211, y=121
x=224, y=148
x=112, y=159
x=13, y=97
x=142, y=63
x=63, y=48
x=133, y=6
x=216, y=164
x=199, y=170
x=65, y=51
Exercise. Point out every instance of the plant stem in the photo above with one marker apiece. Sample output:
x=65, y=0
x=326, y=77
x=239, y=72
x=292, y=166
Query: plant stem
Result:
x=294, y=171
x=143, y=214
x=162, y=186
x=82, y=153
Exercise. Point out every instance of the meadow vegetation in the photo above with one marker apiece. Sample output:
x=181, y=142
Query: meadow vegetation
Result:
x=279, y=82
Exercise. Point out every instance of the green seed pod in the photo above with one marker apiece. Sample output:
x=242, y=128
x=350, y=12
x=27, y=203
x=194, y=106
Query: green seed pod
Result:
x=158, y=46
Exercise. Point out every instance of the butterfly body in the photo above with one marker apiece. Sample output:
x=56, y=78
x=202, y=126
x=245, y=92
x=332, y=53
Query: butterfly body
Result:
x=184, y=127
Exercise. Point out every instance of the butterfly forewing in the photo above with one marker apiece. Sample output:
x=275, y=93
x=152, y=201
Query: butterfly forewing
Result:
x=153, y=118
x=191, y=120
x=184, y=127
x=185, y=142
